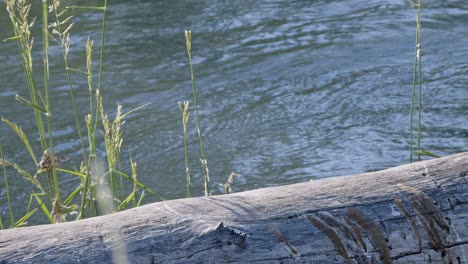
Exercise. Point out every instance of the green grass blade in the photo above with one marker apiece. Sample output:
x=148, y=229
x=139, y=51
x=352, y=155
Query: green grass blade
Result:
x=11, y=38
x=76, y=71
x=22, y=221
x=25, y=101
x=142, y=196
x=43, y=206
x=125, y=202
x=139, y=184
x=98, y=8
x=129, y=112
x=73, y=195
x=425, y=152
x=76, y=173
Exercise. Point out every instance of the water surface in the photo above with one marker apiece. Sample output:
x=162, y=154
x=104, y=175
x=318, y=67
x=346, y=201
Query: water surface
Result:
x=289, y=91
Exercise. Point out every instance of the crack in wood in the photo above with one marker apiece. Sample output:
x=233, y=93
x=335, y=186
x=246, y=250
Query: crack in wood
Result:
x=434, y=223
x=455, y=203
x=458, y=243
x=399, y=203
x=357, y=233
x=284, y=240
x=333, y=222
x=351, y=226
x=375, y=232
x=332, y=235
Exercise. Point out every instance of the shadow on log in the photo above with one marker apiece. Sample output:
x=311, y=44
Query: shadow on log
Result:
x=416, y=213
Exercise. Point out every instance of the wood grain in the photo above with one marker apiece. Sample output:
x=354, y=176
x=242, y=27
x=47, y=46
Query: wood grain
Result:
x=415, y=213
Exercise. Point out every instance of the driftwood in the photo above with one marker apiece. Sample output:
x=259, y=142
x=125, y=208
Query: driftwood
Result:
x=416, y=213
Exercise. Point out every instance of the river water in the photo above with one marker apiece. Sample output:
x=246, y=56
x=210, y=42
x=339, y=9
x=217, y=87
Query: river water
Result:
x=288, y=91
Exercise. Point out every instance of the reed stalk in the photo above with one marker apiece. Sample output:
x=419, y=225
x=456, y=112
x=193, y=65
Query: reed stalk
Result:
x=185, y=116
x=7, y=188
x=188, y=38
x=19, y=16
x=64, y=40
x=45, y=38
x=417, y=82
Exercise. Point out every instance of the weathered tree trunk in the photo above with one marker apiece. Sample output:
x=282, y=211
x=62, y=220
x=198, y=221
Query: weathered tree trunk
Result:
x=416, y=213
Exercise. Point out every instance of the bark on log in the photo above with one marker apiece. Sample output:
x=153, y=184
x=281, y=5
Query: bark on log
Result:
x=416, y=213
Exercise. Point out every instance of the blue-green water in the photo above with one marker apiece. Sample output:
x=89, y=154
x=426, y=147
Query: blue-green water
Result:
x=289, y=91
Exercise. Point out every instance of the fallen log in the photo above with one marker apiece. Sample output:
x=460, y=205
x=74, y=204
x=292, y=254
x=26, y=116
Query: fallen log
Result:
x=415, y=213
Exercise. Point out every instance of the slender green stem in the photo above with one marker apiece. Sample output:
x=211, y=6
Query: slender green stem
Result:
x=188, y=37
x=413, y=91
x=417, y=78
x=64, y=39
x=45, y=39
x=19, y=12
x=133, y=165
x=87, y=7
x=89, y=121
x=418, y=54
x=99, y=90
x=104, y=16
x=7, y=187
x=185, y=115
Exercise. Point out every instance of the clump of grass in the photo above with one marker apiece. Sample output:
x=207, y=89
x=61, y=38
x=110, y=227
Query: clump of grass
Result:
x=188, y=38
x=49, y=198
x=39, y=103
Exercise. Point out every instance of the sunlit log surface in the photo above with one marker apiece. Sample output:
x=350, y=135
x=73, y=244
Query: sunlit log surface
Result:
x=416, y=213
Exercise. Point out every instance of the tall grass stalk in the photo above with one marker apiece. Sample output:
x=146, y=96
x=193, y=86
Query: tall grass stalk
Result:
x=45, y=38
x=62, y=28
x=185, y=116
x=91, y=138
x=113, y=140
x=64, y=40
x=19, y=16
x=417, y=81
x=93, y=117
x=188, y=38
x=103, y=30
x=7, y=187
x=133, y=165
